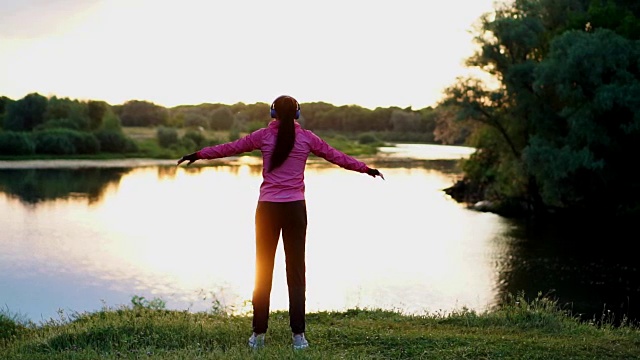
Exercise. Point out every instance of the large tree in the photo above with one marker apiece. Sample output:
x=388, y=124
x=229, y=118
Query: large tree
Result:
x=532, y=50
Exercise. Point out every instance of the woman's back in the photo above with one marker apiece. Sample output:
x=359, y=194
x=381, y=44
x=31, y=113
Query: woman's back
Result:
x=286, y=182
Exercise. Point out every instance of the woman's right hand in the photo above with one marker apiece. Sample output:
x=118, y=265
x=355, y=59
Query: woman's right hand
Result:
x=191, y=158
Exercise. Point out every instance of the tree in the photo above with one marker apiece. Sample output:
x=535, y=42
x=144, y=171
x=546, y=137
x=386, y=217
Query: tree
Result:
x=166, y=136
x=142, y=113
x=4, y=104
x=621, y=16
x=353, y=118
x=26, y=113
x=16, y=143
x=448, y=130
x=66, y=113
x=194, y=119
x=545, y=134
x=317, y=116
x=111, y=121
x=258, y=112
x=96, y=111
x=512, y=42
x=581, y=156
x=221, y=119
x=403, y=121
x=380, y=119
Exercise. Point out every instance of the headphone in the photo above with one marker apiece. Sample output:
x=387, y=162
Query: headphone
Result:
x=274, y=114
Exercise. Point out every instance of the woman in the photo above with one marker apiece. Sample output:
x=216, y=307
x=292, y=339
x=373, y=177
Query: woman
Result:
x=281, y=208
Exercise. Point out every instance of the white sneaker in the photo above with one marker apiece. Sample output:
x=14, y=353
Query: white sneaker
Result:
x=256, y=341
x=299, y=342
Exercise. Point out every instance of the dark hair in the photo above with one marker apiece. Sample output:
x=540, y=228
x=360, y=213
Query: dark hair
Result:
x=285, y=108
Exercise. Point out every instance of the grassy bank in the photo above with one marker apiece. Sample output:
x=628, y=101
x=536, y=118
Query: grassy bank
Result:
x=520, y=330
x=146, y=139
x=148, y=146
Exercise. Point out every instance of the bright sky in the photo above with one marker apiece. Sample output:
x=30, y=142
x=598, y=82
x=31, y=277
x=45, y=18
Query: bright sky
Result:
x=364, y=52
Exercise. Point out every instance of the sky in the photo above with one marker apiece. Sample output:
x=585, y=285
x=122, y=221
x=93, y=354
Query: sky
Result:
x=370, y=53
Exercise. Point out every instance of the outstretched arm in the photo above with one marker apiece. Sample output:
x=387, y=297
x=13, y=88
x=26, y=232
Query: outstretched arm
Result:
x=242, y=145
x=322, y=149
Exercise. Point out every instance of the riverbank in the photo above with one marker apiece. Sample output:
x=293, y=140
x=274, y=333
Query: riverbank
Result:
x=521, y=330
x=83, y=163
x=399, y=155
x=143, y=162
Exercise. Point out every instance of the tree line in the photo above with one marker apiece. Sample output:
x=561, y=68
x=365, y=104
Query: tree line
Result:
x=36, y=124
x=318, y=116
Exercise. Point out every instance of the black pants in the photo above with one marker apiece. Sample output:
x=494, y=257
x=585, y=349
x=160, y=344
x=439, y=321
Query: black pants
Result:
x=272, y=218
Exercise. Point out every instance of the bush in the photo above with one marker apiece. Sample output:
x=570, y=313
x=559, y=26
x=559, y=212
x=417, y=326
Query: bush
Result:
x=56, y=141
x=197, y=137
x=368, y=138
x=115, y=141
x=255, y=125
x=86, y=143
x=185, y=145
x=167, y=136
x=8, y=327
x=111, y=122
x=58, y=124
x=234, y=134
x=195, y=120
x=16, y=143
x=65, y=142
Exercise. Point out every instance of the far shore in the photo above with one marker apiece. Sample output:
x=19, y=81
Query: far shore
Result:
x=403, y=155
x=379, y=160
x=82, y=163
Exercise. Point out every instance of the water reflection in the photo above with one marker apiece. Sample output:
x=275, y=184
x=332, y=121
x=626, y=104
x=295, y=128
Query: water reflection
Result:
x=32, y=186
x=587, y=266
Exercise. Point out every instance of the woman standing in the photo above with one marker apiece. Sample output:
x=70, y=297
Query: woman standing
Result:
x=281, y=208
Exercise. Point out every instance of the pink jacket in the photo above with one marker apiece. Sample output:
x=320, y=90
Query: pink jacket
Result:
x=285, y=183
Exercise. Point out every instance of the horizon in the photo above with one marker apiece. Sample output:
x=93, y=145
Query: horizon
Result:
x=203, y=103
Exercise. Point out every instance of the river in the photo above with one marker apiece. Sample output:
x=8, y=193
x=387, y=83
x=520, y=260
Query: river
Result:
x=80, y=236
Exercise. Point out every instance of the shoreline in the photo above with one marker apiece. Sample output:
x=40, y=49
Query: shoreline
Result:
x=388, y=160
x=403, y=155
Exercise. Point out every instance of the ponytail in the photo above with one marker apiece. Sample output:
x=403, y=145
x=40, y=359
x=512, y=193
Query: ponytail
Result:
x=286, y=109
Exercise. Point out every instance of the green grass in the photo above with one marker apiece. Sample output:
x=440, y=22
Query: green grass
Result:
x=352, y=147
x=149, y=148
x=519, y=330
x=138, y=133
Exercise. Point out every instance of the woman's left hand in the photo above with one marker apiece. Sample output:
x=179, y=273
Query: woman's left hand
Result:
x=374, y=173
